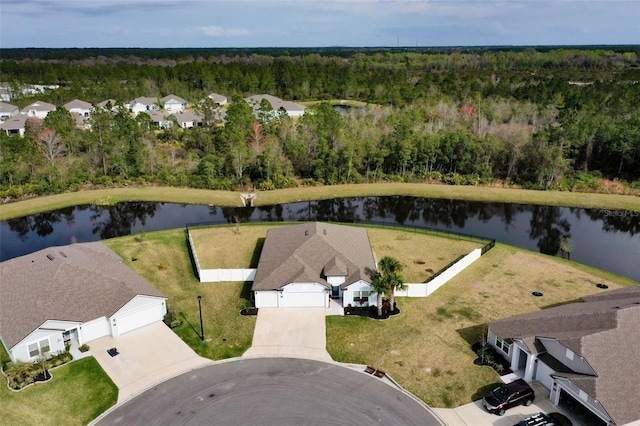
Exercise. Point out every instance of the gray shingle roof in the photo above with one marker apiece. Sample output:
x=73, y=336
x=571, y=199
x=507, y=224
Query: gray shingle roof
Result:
x=79, y=104
x=173, y=99
x=14, y=123
x=39, y=106
x=276, y=103
x=7, y=108
x=303, y=253
x=603, y=328
x=80, y=282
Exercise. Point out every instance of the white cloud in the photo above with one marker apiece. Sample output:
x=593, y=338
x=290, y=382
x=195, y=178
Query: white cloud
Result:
x=214, y=31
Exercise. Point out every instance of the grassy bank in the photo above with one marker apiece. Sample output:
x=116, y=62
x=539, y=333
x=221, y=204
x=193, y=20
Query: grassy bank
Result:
x=230, y=198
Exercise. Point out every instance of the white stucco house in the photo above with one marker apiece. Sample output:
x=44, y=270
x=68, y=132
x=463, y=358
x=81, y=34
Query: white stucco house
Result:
x=142, y=104
x=75, y=293
x=79, y=107
x=587, y=354
x=173, y=104
x=15, y=125
x=292, y=109
x=38, y=109
x=8, y=111
x=309, y=264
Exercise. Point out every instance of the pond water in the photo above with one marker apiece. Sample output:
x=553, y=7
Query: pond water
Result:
x=605, y=239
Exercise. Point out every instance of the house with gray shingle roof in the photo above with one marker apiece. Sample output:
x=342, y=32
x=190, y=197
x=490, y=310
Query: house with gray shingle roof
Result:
x=8, y=111
x=143, y=104
x=38, y=109
x=585, y=353
x=189, y=119
x=15, y=125
x=80, y=107
x=293, y=109
x=306, y=265
x=75, y=293
x=173, y=103
x=218, y=99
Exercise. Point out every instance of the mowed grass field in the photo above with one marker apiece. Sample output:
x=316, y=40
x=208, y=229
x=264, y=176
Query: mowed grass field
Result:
x=427, y=347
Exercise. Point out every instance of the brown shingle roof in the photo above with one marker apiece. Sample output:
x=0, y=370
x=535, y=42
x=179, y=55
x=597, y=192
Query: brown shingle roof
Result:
x=300, y=253
x=78, y=282
x=604, y=329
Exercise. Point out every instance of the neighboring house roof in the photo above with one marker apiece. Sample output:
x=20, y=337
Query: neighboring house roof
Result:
x=276, y=103
x=78, y=282
x=604, y=329
x=173, y=99
x=104, y=103
x=187, y=116
x=16, y=122
x=157, y=116
x=144, y=101
x=78, y=104
x=39, y=106
x=8, y=108
x=219, y=99
x=308, y=252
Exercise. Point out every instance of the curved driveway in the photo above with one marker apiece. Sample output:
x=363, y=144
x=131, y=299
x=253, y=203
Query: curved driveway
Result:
x=272, y=391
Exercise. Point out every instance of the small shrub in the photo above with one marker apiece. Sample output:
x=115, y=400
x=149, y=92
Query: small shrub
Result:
x=84, y=348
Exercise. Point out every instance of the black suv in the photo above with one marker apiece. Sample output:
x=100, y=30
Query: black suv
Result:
x=508, y=395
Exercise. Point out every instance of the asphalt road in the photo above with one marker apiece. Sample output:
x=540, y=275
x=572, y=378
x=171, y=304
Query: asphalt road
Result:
x=272, y=391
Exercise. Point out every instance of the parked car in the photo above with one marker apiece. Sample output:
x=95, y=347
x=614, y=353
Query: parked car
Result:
x=542, y=419
x=508, y=395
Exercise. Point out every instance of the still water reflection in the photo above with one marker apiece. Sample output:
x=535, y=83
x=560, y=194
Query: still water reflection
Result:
x=606, y=239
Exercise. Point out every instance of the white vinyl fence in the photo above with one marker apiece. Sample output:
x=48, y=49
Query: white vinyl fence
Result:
x=217, y=275
x=425, y=289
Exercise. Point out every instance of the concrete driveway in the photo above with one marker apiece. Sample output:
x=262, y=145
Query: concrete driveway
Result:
x=290, y=332
x=474, y=414
x=147, y=356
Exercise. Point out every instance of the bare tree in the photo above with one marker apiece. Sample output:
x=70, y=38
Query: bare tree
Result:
x=52, y=145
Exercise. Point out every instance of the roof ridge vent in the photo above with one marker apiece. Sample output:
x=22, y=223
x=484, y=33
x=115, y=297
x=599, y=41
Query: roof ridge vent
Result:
x=306, y=232
x=50, y=256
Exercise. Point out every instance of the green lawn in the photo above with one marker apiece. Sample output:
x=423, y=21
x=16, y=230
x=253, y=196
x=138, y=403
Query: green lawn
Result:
x=227, y=333
x=427, y=347
x=78, y=393
x=265, y=198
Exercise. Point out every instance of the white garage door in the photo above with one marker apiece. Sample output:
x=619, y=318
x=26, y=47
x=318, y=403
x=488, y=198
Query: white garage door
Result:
x=305, y=300
x=140, y=318
x=543, y=374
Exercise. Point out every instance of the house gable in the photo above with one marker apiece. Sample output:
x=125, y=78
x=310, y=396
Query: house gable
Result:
x=595, y=344
x=77, y=283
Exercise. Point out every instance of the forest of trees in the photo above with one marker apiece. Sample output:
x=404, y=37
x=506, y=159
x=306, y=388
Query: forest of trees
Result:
x=563, y=118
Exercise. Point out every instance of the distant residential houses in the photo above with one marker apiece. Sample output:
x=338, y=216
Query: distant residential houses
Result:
x=10, y=91
x=164, y=113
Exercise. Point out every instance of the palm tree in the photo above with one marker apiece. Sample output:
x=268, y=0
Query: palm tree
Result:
x=380, y=286
x=391, y=269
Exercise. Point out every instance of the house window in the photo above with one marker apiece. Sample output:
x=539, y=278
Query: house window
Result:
x=361, y=298
x=33, y=350
x=503, y=345
x=36, y=348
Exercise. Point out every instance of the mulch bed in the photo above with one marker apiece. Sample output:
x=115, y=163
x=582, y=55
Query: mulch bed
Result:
x=491, y=358
x=372, y=311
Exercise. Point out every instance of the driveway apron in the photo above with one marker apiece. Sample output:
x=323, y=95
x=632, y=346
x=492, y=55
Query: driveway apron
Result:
x=146, y=357
x=290, y=332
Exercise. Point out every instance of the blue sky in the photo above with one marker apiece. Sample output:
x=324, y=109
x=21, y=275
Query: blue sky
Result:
x=316, y=23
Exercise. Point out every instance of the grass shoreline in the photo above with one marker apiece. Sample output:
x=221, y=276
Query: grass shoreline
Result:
x=281, y=196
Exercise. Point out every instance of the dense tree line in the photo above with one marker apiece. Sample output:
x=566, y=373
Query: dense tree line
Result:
x=556, y=118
